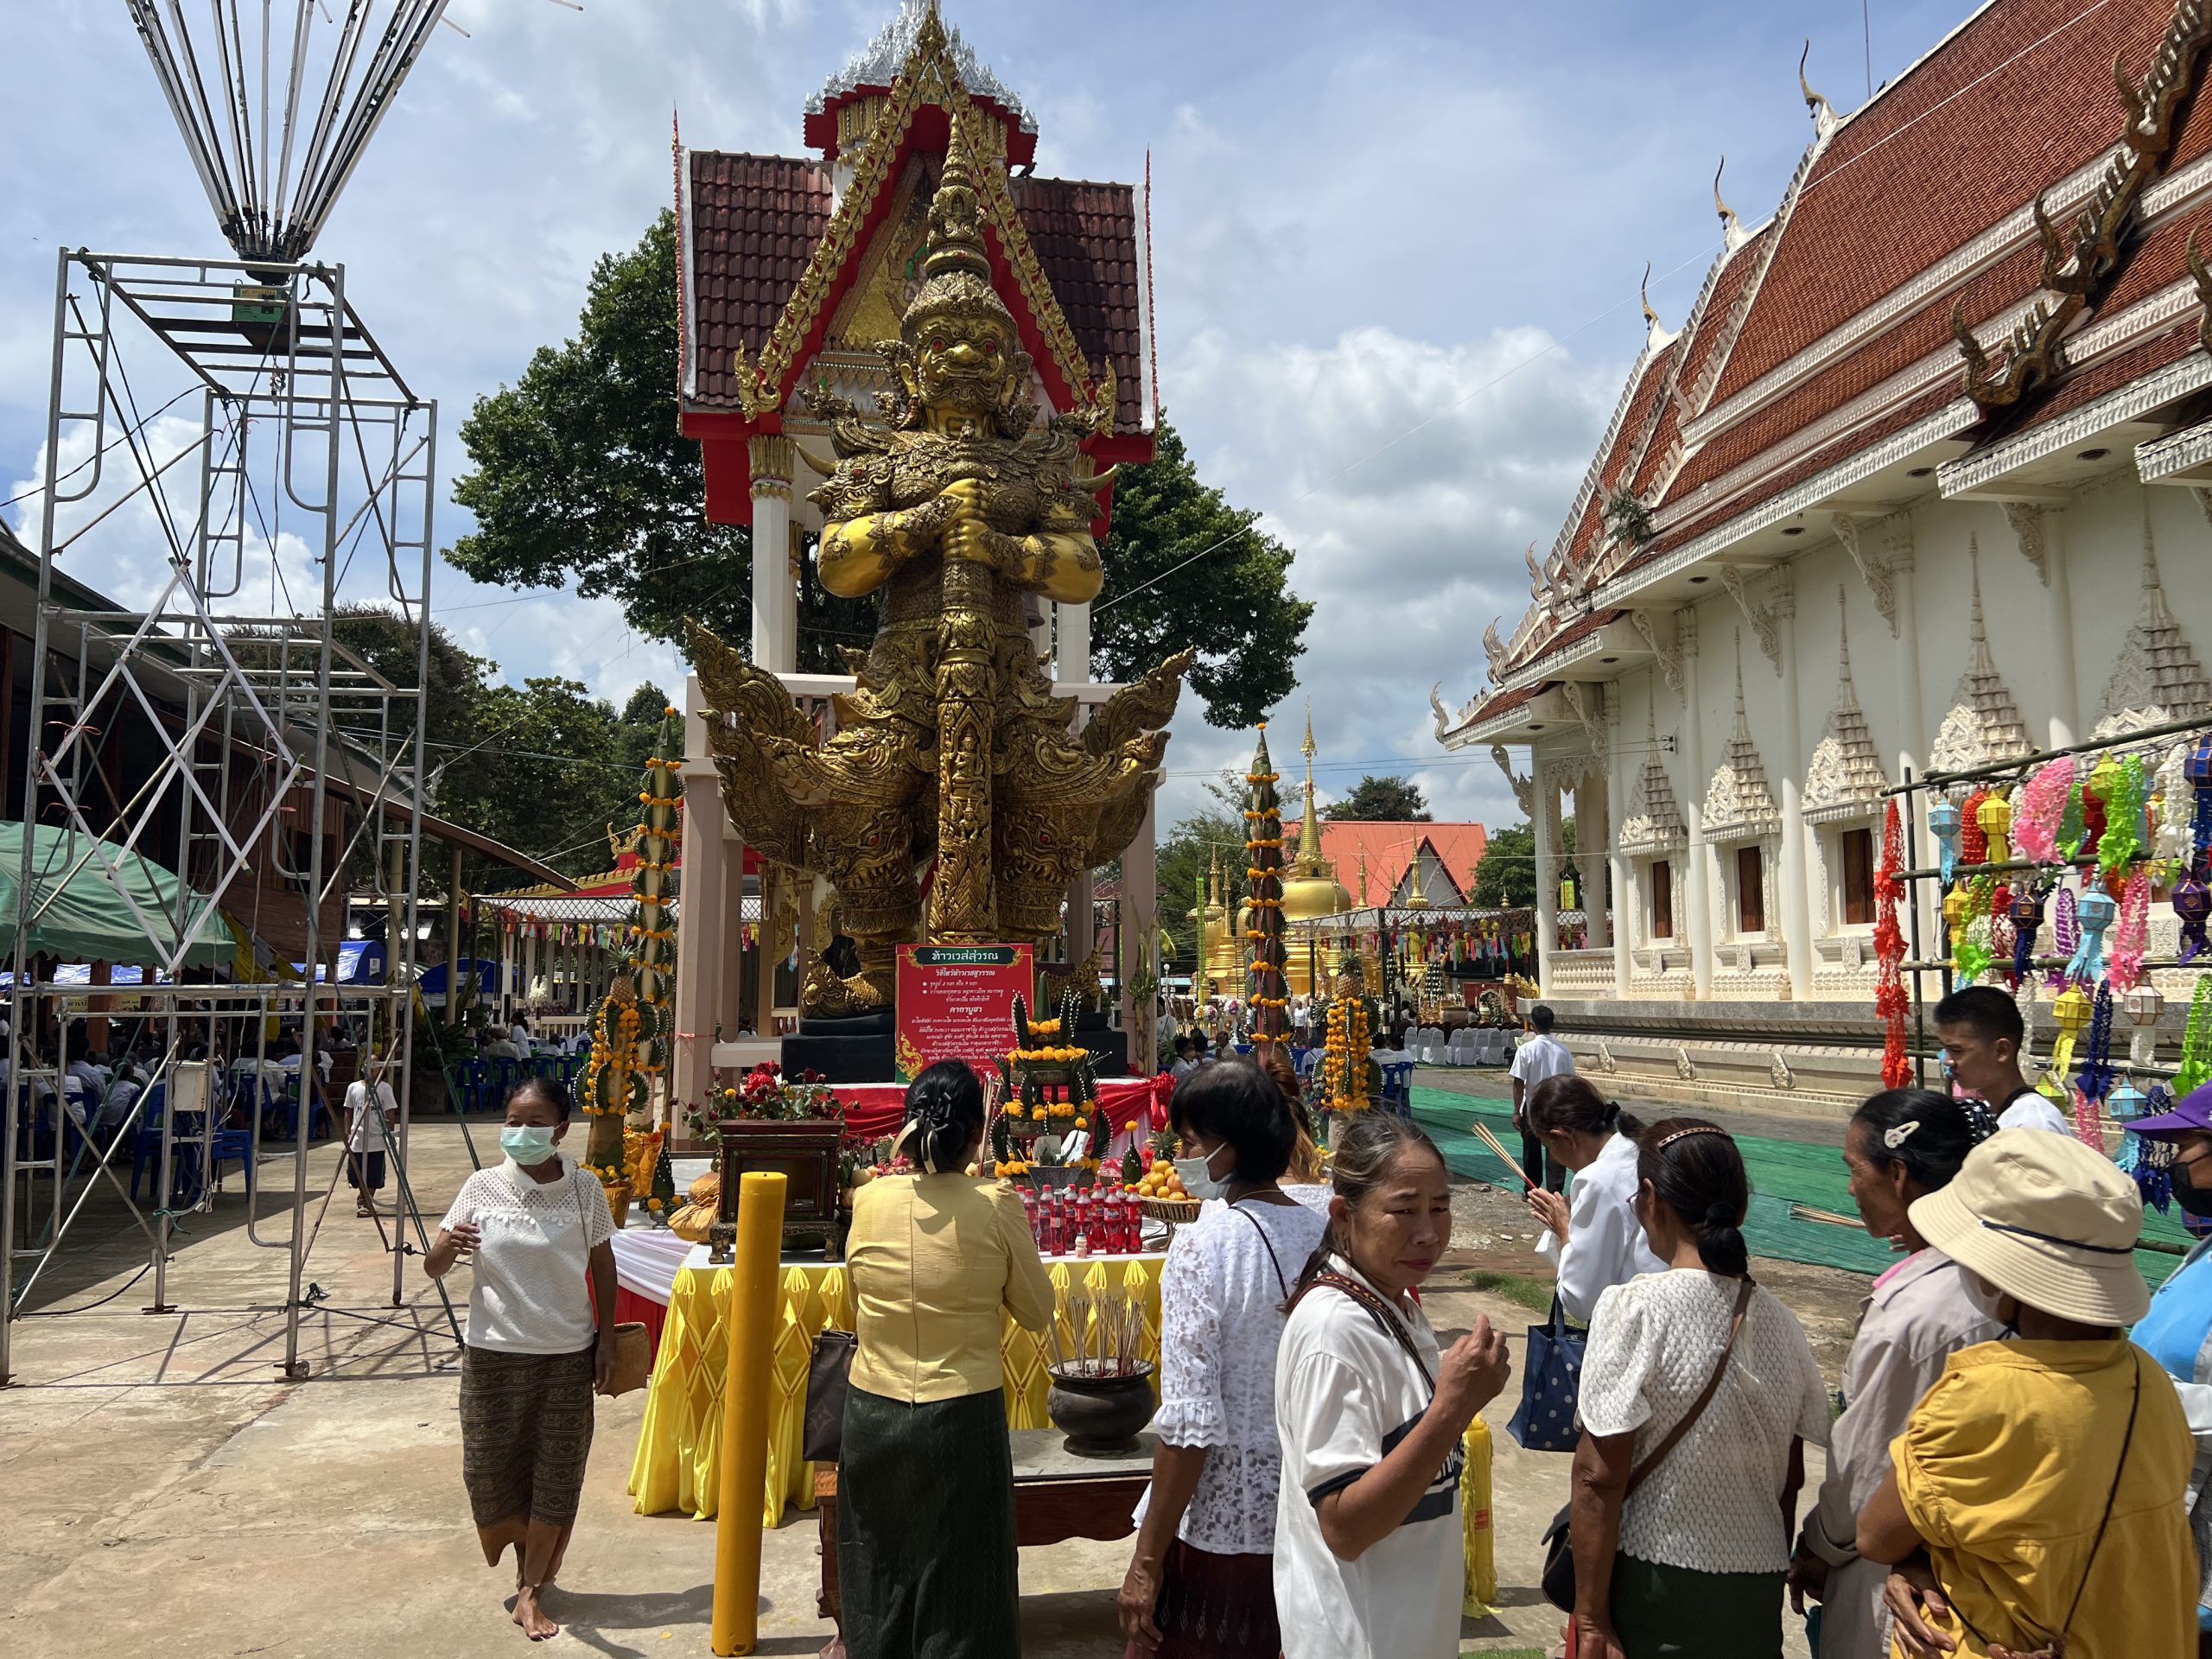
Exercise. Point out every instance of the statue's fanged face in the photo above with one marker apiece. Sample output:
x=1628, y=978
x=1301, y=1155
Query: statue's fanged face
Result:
x=962, y=364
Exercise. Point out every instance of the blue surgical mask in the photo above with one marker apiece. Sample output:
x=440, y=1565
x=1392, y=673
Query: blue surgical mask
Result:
x=527, y=1144
x=1197, y=1177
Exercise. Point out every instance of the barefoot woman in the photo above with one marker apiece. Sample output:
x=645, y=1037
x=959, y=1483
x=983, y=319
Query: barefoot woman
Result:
x=535, y=1226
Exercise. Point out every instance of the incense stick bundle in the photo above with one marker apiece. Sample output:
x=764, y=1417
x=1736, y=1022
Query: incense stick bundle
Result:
x=1807, y=1212
x=1498, y=1150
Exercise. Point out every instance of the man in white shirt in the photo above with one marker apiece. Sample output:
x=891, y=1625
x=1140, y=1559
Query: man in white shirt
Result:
x=1541, y=1055
x=1981, y=1029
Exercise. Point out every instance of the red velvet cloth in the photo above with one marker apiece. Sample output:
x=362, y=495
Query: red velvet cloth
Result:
x=873, y=1110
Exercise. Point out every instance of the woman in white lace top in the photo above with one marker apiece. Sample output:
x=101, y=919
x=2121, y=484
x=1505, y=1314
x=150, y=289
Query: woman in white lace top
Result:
x=1202, y=1579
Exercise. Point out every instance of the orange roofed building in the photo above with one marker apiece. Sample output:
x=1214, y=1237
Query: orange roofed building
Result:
x=1920, y=484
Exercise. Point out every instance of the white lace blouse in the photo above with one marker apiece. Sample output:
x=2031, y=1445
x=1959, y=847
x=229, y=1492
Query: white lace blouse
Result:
x=1221, y=1320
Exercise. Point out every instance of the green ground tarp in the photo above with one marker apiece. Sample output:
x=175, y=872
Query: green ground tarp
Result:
x=79, y=912
x=1782, y=1174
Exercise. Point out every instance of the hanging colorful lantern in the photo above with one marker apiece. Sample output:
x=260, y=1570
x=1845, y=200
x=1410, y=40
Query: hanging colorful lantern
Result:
x=1995, y=817
x=2145, y=1003
x=1889, y=1000
x=2042, y=806
x=2065, y=933
x=2027, y=921
x=2192, y=902
x=1974, y=840
x=2073, y=1010
x=2096, y=800
x=1943, y=824
x=2132, y=934
x=2096, y=911
x=2096, y=1075
x=2196, y=771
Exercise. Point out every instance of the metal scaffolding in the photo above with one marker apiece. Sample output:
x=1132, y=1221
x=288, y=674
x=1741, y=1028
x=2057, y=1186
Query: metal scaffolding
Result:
x=227, y=442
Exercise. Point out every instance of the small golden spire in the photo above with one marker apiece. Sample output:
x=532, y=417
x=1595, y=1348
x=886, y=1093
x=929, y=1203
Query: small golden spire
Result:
x=1416, y=899
x=1362, y=878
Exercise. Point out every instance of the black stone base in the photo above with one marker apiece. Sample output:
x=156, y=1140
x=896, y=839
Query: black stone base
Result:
x=854, y=1050
x=1111, y=1046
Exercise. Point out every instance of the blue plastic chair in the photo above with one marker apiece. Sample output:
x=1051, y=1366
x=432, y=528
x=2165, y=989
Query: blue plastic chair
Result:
x=1398, y=1087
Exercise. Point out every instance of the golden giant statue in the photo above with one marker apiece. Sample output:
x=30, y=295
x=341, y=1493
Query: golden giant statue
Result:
x=952, y=782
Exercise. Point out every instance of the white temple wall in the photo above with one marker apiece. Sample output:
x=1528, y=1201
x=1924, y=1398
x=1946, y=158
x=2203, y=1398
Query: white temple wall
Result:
x=2053, y=647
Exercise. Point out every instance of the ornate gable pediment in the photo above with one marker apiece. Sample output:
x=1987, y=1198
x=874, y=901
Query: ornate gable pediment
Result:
x=2158, y=679
x=929, y=89
x=1845, y=777
x=1984, y=725
x=1739, y=804
x=1653, y=822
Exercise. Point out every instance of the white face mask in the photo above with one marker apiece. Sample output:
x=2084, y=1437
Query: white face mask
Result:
x=1987, y=1297
x=527, y=1144
x=1197, y=1177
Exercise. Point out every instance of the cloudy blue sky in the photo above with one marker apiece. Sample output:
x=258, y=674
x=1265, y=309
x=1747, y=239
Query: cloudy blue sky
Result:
x=1396, y=247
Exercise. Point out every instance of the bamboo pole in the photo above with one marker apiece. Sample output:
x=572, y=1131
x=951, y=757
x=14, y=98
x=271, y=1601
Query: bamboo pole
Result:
x=746, y=1384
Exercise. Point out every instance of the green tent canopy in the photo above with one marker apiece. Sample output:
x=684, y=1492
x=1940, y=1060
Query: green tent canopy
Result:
x=79, y=910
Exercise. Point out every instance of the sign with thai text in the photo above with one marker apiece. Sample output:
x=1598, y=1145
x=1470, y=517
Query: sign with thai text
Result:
x=955, y=1002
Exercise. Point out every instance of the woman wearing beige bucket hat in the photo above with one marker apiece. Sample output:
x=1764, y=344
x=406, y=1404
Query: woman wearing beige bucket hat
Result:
x=2034, y=1501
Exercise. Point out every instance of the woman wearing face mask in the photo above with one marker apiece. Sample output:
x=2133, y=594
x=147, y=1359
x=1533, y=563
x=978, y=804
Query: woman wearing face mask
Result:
x=1369, y=1414
x=1201, y=1582
x=1900, y=1146
x=536, y=1228
x=2033, y=1504
x=2177, y=1331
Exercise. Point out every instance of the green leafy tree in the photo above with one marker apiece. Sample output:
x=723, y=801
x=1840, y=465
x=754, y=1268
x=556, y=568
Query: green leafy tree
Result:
x=1387, y=800
x=582, y=479
x=1184, y=569
x=1505, y=875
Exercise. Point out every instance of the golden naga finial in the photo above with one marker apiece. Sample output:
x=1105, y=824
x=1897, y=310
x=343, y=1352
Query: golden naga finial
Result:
x=1727, y=213
x=1643, y=292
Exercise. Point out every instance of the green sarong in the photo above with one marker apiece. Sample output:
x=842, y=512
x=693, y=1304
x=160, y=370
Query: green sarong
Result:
x=926, y=1565
x=1671, y=1612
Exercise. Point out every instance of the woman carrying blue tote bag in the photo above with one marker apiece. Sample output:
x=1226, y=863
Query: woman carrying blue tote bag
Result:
x=1551, y=1379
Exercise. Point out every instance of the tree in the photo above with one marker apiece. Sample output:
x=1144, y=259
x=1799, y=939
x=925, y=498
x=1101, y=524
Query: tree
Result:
x=1505, y=876
x=1184, y=858
x=582, y=476
x=582, y=479
x=1389, y=800
x=1216, y=584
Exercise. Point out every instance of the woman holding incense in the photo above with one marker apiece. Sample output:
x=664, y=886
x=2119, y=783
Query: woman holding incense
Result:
x=937, y=1259
x=1591, y=1235
x=1202, y=1579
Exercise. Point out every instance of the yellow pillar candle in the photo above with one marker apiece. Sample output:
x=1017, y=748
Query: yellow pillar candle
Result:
x=746, y=1384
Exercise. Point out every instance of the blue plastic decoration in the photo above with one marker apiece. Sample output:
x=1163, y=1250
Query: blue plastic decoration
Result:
x=2094, y=1079
x=1943, y=824
x=2198, y=769
x=2094, y=911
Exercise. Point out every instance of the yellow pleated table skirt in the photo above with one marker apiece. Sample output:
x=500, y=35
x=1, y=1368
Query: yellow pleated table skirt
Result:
x=678, y=1466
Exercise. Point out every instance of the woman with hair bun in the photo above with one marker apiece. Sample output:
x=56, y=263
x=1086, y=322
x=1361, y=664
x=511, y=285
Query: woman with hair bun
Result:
x=1900, y=1146
x=1593, y=1236
x=925, y=1538
x=1699, y=1391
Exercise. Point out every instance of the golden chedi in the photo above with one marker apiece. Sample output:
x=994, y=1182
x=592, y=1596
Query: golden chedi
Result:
x=951, y=757
x=1222, y=957
x=1310, y=890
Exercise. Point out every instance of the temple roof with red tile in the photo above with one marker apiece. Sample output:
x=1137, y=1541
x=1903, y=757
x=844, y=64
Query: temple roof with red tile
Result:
x=1899, y=326
x=794, y=268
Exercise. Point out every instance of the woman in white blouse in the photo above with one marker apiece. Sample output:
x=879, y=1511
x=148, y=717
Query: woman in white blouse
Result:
x=1680, y=1548
x=541, y=1338
x=1202, y=1578
x=1593, y=1235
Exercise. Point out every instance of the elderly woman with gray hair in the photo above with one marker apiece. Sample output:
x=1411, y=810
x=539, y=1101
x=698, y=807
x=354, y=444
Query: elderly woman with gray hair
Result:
x=926, y=1535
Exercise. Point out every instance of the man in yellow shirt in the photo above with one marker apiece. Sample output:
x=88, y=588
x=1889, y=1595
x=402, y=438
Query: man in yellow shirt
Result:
x=2034, y=1502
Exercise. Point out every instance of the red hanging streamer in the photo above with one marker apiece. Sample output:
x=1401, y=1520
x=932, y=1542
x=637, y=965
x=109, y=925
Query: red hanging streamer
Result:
x=1889, y=953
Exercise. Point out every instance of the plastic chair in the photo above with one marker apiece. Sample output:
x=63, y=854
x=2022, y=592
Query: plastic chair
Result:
x=1398, y=1087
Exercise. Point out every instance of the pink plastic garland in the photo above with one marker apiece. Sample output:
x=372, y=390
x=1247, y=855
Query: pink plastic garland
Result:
x=2129, y=937
x=2041, y=803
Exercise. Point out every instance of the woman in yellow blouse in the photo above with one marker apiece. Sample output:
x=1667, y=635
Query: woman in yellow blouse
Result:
x=925, y=1539
x=2034, y=1502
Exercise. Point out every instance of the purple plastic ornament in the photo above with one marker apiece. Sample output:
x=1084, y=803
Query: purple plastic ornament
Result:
x=2192, y=902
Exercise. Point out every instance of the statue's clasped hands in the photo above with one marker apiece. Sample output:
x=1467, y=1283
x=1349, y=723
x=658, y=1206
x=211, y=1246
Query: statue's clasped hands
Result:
x=967, y=537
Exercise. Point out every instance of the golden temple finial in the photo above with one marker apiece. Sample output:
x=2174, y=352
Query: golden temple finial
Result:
x=1416, y=899
x=1362, y=878
x=1643, y=292
x=955, y=215
x=1309, y=828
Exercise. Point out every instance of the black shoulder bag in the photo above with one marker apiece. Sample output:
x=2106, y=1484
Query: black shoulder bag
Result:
x=1558, y=1579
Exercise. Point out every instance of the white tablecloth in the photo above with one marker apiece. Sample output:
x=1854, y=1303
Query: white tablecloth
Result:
x=647, y=1259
